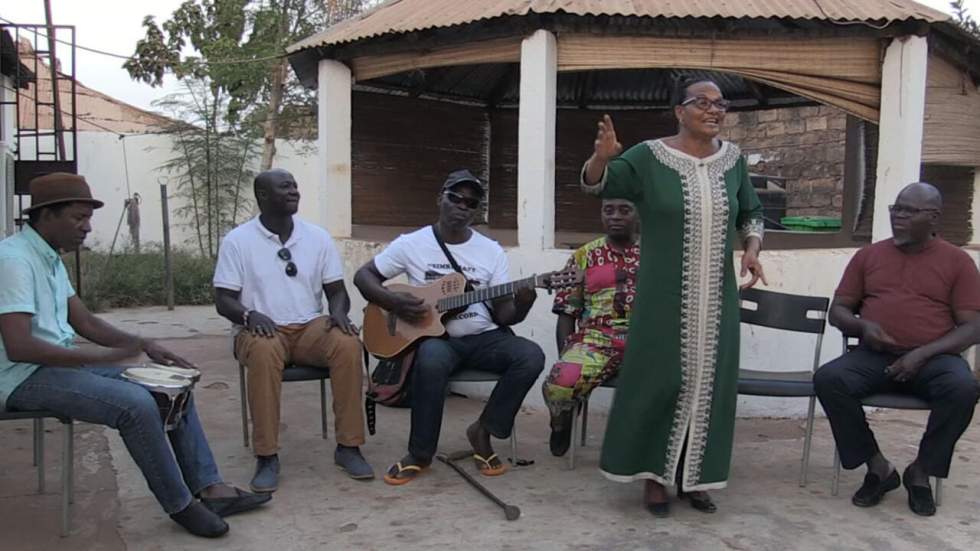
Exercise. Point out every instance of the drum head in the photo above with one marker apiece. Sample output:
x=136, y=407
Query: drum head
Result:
x=189, y=374
x=153, y=376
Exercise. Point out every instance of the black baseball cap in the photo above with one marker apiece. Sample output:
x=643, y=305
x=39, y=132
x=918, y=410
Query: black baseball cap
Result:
x=463, y=176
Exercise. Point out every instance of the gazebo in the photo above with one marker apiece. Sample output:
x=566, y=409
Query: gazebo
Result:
x=513, y=88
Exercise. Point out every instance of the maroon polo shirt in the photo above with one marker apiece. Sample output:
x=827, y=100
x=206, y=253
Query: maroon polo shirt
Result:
x=912, y=296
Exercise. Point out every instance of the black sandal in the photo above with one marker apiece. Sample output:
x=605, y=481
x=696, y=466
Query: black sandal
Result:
x=700, y=501
x=659, y=510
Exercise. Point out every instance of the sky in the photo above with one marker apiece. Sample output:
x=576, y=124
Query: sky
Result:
x=116, y=25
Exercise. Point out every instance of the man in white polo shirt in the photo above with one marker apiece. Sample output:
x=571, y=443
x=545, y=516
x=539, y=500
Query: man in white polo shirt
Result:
x=270, y=280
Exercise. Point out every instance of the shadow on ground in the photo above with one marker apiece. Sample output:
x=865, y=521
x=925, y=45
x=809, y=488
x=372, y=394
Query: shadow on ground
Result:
x=316, y=506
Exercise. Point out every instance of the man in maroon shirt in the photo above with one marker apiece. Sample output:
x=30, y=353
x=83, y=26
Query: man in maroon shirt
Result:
x=914, y=302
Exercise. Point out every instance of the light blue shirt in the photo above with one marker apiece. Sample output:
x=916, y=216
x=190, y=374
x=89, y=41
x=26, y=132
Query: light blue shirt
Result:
x=33, y=280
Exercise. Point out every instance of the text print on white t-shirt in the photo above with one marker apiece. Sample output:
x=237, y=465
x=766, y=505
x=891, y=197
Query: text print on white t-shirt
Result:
x=432, y=275
x=419, y=256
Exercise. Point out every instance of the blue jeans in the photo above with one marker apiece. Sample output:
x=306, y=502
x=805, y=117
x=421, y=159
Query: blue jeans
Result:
x=98, y=395
x=517, y=360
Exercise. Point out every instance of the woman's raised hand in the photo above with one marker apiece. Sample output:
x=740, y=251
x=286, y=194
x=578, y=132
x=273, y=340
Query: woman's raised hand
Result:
x=606, y=144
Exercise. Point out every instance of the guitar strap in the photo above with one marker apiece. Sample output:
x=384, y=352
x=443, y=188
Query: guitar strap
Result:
x=455, y=265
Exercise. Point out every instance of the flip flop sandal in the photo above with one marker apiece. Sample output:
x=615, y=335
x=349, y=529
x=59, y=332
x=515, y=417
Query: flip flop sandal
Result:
x=486, y=466
x=399, y=474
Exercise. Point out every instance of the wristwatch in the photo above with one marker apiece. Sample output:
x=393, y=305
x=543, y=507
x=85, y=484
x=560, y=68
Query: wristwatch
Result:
x=245, y=317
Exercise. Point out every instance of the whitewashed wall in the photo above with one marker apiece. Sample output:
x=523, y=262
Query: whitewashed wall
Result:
x=809, y=272
x=802, y=272
x=101, y=160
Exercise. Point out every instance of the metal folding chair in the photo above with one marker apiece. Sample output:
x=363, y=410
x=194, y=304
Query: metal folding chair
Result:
x=291, y=373
x=581, y=416
x=476, y=376
x=802, y=314
x=67, y=457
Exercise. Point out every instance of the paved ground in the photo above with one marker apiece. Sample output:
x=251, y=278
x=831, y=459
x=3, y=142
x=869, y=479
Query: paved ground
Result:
x=317, y=507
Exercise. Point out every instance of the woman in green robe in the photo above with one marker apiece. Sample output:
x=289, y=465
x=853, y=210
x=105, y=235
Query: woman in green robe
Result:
x=674, y=412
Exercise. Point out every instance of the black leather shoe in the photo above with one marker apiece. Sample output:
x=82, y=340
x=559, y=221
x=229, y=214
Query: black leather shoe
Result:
x=659, y=510
x=561, y=437
x=227, y=506
x=921, y=501
x=200, y=521
x=874, y=488
x=700, y=501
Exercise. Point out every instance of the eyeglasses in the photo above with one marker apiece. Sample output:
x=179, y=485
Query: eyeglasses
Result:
x=905, y=210
x=457, y=199
x=704, y=103
x=288, y=257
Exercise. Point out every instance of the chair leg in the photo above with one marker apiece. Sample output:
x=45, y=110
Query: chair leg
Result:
x=244, y=392
x=939, y=491
x=39, y=453
x=323, y=408
x=807, y=438
x=835, y=484
x=513, y=446
x=576, y=411
x=67, y=477
x=34, y=435
x=585, y=419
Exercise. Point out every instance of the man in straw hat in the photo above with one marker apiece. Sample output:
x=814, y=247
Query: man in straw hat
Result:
x=41, y=369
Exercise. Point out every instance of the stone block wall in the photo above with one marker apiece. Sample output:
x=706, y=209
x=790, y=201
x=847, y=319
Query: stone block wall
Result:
x=805, y=145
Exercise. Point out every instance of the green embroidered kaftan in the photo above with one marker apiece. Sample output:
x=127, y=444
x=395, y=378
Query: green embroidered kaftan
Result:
x=678, y=381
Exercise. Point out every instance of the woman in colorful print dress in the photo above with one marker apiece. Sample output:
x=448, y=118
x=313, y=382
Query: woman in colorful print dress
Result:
x=673, y=416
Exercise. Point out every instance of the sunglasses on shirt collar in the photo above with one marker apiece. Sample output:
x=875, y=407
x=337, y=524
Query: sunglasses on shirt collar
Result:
x=287, y=256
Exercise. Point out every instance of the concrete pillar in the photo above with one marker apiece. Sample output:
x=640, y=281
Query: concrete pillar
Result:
x=975, y=211
x=536, y=142
x=334, y=131
x=903, y=98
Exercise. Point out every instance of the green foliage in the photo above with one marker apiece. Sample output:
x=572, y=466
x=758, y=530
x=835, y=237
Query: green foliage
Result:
x=239, y=47
x=964, y=19
x=211, y=167
x=130, y=279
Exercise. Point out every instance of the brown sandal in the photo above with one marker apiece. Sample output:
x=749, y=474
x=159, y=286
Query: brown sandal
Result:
x=399, y=474
x=486, y=466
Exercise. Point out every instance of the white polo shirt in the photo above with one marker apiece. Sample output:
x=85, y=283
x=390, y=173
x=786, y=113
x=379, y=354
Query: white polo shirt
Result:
x=248, y=261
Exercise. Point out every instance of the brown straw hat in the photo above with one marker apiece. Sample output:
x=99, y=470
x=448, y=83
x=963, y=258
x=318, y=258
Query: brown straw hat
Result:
x=60, y=187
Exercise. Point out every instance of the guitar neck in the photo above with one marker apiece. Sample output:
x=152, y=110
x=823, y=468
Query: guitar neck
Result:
x=485, y=294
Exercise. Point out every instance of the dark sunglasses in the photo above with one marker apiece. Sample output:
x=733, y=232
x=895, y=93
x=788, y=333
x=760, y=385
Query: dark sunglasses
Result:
x=457, y=199
x=288, y=257
x=704, y=103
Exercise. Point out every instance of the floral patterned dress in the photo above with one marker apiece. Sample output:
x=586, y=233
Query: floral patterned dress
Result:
x=601, y=306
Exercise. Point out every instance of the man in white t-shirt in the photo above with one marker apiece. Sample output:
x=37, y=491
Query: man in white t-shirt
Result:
x=477, y=338
x=270, y=280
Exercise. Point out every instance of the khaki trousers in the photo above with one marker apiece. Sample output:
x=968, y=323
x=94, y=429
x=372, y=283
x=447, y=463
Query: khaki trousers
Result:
x=317, y=344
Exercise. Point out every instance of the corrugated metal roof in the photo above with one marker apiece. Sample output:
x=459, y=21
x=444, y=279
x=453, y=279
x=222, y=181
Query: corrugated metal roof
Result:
x=403, y=16
x=498, y=84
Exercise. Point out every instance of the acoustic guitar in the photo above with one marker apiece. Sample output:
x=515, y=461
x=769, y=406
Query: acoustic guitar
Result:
x=386, y=335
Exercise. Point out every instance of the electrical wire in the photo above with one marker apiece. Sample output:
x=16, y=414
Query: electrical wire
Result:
x=845, y=23
x=129, y=57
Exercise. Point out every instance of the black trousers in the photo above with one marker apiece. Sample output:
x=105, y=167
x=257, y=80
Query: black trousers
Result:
x=945, y=381
x=517, y=360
